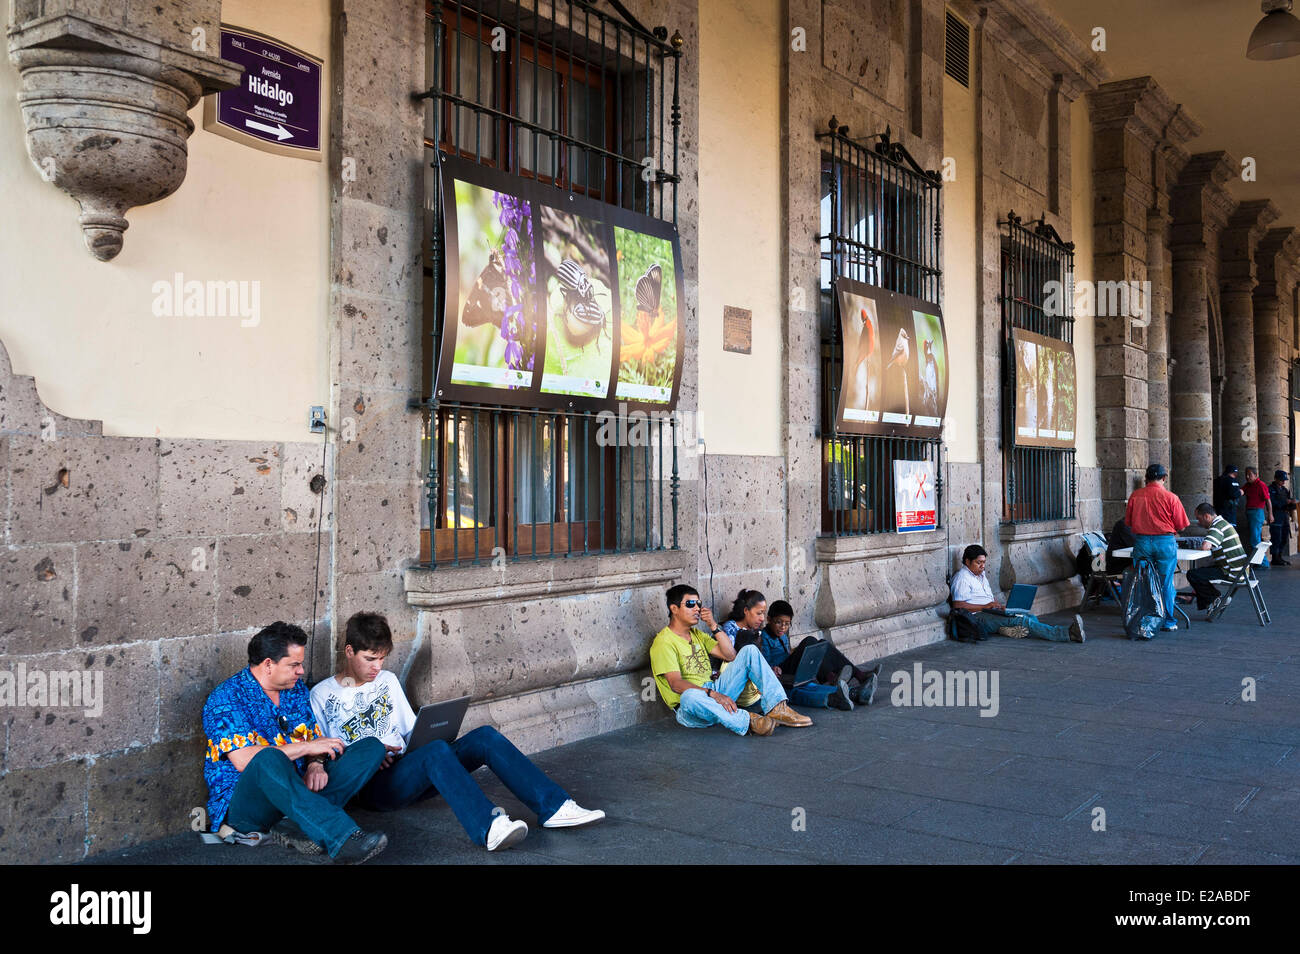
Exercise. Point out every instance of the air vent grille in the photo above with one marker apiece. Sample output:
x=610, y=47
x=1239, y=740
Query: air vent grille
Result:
x=956, y=60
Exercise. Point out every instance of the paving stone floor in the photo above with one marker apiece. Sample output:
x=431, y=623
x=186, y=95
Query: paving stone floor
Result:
x=1157, y=734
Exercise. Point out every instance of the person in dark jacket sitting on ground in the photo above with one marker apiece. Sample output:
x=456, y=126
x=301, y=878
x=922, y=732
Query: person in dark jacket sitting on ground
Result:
x=857, y=684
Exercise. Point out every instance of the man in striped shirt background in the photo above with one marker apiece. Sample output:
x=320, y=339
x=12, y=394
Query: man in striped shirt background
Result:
x=1230, y=559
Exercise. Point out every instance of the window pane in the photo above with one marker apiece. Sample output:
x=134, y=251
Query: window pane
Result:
x=468, y=488
x=473, y=71
x=582, y=471
x=534, y=469
x=537, y=103
x=588, y=126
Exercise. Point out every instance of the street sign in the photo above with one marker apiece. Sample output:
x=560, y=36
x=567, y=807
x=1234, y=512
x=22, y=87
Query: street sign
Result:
x=277, y=106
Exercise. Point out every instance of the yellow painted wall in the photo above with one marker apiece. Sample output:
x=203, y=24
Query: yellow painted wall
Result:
x=960, y=296
x=86, y=329
x=740, y=396
x=1081, y=225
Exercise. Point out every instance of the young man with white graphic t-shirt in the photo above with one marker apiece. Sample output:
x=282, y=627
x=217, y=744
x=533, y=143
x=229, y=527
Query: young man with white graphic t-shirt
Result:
x=365, y=700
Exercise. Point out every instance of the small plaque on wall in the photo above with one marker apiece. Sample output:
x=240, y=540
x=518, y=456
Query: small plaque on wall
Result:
x=737, y=329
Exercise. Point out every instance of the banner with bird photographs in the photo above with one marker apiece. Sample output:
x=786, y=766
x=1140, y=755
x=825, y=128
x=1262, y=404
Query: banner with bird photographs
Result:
x=1045, y=390
x=555, y=300
x=895, y=373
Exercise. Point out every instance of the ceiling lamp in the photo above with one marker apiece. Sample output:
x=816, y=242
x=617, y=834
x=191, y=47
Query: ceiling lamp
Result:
x=1277, y=36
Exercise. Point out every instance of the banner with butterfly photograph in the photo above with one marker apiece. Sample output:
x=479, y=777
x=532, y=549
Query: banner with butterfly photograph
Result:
x=555, y=300
x=894, y=380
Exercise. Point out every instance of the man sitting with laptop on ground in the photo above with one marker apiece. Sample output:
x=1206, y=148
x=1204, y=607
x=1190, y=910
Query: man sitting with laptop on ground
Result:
x=366, y=701
x=971, y=592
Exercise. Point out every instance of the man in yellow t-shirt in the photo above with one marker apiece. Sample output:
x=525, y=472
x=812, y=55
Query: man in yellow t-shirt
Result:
x=681, y=660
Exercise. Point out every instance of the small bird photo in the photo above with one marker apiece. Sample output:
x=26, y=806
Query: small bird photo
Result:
x=930, y=395
x=860, y=327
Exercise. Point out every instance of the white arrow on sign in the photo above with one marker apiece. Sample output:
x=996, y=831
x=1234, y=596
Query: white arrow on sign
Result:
x=278, y=131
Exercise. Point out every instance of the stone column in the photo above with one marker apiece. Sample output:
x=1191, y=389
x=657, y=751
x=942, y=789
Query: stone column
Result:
x=1201, y=207
x=1240, y=444
x=1134, y=124
x=1157, y=337
x=1274, y=320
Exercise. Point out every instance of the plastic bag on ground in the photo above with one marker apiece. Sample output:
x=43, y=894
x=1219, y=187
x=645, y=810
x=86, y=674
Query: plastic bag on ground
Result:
x=1144, y=605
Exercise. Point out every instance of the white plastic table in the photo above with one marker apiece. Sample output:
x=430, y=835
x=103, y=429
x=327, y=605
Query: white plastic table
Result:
x=1184, y=556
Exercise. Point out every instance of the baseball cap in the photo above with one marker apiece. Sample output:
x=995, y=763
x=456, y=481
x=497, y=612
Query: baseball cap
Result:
x=1279, y=475
x=1156, y=471
x=1230, y=469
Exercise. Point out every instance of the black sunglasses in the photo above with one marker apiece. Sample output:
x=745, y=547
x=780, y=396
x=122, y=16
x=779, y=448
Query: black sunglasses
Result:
x=690, y=604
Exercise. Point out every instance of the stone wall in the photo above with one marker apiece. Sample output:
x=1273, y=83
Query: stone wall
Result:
x=1026, y=72
x=150, y=563
x=873, y=67
x=552, y=650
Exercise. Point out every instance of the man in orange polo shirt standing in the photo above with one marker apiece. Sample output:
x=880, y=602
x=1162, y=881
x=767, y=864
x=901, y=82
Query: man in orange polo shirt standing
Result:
x=1156, y=516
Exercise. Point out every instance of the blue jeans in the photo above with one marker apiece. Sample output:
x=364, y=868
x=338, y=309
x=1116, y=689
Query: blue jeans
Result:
x=1253, y=530
x=1161, y=551
x=990, y=623
x=439, y=768
x=696, y=710
x=270, y=788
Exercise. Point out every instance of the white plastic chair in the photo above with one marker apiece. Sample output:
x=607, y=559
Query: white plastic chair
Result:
x=1251, y=582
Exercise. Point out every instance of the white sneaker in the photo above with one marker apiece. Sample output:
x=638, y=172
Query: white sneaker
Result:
x=573, y=815
x=505, y=832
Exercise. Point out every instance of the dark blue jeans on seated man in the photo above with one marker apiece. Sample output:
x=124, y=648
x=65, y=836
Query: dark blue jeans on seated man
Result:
x=441, y=768
x=270, y=788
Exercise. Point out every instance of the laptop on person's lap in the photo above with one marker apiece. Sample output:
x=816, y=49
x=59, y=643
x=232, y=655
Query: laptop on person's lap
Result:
x=810, y=662
x=1019, y=601
x=438, y=722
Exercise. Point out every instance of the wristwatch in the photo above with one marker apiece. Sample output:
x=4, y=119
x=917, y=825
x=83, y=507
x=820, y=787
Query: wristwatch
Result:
x=715, y=632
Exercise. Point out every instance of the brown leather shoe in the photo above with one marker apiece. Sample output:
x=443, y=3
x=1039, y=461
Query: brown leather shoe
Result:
x=782, y=714
x=760, y=724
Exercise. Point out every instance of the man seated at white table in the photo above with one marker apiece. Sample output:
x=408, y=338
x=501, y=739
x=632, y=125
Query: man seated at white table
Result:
x=971, y=592
x=1229, y=556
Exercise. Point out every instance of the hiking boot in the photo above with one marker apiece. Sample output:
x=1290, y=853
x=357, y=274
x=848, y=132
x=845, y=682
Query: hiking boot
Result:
x=840, y=698
x=761, y=724
x=1077, y=634
x=360, y=847
x=1014, y=632
x=782, y=714
x=286, y=832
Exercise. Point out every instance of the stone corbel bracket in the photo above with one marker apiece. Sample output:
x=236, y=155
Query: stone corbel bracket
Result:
x=105, y=109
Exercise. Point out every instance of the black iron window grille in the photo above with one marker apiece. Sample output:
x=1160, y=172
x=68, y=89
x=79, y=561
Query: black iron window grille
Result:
x=880, y=224
x=1039, y=483
x=586, y=101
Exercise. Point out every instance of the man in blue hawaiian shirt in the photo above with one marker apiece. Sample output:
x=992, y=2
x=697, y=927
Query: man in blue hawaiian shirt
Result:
x=269, y=765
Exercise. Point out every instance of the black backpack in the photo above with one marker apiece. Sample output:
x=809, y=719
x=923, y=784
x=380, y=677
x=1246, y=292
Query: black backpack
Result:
x=964, y=627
